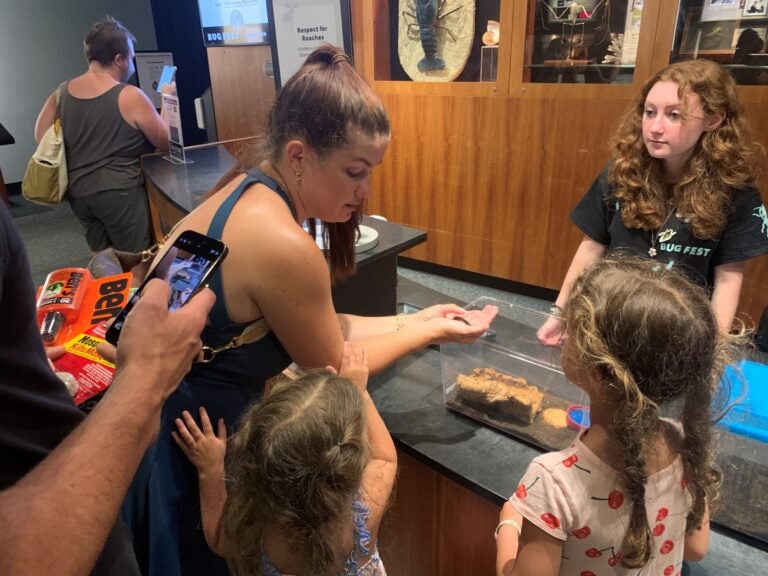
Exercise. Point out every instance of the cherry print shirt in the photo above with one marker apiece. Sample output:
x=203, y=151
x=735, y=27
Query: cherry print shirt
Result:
x=576, y=497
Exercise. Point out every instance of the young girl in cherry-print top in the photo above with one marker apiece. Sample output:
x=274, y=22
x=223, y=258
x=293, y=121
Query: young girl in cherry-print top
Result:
x=632, y=494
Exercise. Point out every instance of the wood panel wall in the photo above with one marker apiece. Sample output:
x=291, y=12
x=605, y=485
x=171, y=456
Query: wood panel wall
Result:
x=242, y=92
x=492, y=182
x=489, y=170
x=436, y=526
x=492, y=170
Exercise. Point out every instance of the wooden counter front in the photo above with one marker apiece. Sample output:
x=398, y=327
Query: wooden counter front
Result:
x=436, y=526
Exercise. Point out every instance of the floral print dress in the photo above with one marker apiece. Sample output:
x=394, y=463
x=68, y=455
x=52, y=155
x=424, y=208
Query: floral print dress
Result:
x=373, y=567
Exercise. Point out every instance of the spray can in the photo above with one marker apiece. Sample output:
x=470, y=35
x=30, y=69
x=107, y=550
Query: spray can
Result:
x=60, y=300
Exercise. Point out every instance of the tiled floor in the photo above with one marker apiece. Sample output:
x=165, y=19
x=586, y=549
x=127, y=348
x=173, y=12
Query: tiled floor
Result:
x=52, y=236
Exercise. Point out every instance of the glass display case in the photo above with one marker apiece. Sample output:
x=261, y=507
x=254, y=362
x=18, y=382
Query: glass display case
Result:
x=437, y=40
x=510, y=381
x=582, y=41
x=730, y=32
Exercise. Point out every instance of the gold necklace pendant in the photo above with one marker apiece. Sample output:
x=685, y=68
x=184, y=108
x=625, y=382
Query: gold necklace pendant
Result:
x=662, y=237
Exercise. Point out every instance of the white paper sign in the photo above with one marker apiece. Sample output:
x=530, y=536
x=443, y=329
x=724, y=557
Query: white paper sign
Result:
x=300, y=27
x=632, y=32
x=720, y=10
x=175, y=137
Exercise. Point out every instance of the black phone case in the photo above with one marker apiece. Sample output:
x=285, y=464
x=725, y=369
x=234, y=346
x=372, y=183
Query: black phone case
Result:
x=190, y=241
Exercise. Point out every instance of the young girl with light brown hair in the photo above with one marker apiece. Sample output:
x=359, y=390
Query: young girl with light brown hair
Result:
x=632, y=494
x=309, y=475
x=679, y=189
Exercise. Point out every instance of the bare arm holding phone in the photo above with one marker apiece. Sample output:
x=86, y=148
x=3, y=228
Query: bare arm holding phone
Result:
x=76, y=491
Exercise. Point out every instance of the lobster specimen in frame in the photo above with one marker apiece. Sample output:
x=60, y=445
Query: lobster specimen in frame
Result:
x=435, y=37
x=428, y=14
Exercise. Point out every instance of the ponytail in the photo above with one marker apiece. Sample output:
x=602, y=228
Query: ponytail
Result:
x=296, y=465
x=328, y=54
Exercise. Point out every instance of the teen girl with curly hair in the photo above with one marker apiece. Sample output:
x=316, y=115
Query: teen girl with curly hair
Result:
x=679, y=188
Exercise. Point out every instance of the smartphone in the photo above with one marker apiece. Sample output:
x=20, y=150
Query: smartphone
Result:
x=166, y=77
x=186, y=266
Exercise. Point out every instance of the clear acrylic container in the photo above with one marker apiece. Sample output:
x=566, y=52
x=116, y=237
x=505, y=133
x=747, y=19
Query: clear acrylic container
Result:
x=535, y=409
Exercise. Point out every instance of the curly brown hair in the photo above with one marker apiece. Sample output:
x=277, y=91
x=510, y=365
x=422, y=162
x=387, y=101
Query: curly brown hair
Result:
x=725, y=158
x=295, y=466
x=320, y=104
x=653, y=338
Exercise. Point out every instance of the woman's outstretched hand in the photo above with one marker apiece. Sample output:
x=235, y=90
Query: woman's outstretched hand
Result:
x=454, y=324
x=438, y=311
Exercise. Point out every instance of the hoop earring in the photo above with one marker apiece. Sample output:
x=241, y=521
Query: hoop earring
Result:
x=298, y=176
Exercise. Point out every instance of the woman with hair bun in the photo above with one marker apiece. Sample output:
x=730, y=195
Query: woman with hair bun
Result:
x=326, y=132
x=680, y=188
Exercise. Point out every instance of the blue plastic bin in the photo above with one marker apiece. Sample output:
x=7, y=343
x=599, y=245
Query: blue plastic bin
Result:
x=750, y=416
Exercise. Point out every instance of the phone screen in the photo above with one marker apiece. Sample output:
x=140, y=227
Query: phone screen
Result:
x=166, y=77
x=186, y=266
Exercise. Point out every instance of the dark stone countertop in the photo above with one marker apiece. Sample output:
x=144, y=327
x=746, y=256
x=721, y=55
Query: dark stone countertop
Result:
x=409, y=396
x=187, y=185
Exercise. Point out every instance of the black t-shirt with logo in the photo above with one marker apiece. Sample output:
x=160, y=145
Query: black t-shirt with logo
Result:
x=745, y=236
